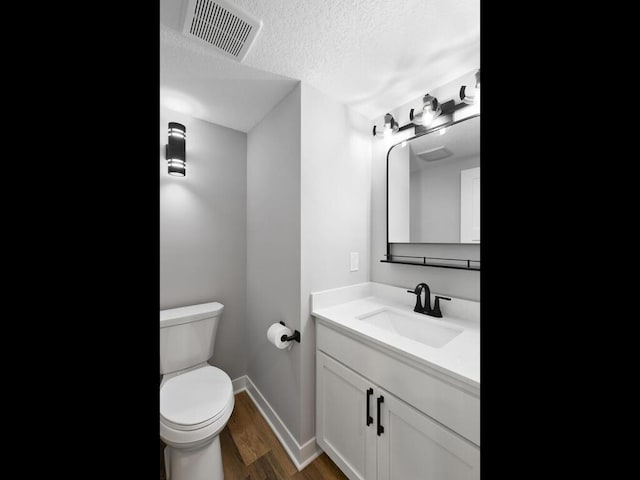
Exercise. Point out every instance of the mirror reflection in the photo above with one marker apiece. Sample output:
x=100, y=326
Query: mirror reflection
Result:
x=434, y=186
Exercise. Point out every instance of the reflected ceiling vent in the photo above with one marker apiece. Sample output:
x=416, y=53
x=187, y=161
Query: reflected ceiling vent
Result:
x=221, y=25
x=434, y=154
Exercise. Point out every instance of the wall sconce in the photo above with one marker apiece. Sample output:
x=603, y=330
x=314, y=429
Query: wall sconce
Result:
x=175, y=149
x=471, y=95
x=390, y=126
x=430, y=110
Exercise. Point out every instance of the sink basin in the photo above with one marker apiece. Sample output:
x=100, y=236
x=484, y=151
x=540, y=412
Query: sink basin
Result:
x=410, y=326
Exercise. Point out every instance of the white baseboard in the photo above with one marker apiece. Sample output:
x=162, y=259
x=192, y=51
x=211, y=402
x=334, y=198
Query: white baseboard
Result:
x=301, y=455
x=239, y=384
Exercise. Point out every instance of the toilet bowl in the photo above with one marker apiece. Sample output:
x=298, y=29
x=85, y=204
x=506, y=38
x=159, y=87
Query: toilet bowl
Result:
x=194, y=408
x=196, y=399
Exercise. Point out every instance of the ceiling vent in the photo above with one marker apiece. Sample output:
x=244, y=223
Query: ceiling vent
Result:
x=221, y=25
x=434, y=154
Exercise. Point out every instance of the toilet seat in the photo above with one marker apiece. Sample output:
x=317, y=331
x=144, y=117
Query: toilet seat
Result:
x=196, y=399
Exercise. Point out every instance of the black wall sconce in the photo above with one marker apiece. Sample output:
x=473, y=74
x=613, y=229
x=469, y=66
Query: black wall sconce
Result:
x=175, y=149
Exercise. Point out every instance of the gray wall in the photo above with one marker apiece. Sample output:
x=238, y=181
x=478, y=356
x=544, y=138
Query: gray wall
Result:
x=273, y=255
x=400, y=195
x=335, y=199
x=308, y=208
x=203, y=231
x=458, y=283
x=435, y=200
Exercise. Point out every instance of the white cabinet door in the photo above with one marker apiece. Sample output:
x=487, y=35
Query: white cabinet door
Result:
x=414, y=447
x=470, y=205
x=341, y=418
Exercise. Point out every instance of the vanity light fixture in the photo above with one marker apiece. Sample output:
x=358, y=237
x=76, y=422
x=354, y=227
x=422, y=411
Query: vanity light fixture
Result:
x=471, y=95
x=390, y=126
x=175, y=149
x=430, y=110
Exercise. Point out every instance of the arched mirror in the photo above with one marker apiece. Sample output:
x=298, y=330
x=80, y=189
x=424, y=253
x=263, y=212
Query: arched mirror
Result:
x=433, y=189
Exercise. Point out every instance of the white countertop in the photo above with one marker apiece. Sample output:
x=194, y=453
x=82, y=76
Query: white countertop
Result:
x=459, y=358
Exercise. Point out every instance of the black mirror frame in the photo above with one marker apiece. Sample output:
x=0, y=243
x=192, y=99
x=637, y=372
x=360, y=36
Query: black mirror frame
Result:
x=463, y=264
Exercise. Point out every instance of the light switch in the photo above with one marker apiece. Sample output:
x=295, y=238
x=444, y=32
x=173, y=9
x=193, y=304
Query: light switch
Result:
x=355, y=261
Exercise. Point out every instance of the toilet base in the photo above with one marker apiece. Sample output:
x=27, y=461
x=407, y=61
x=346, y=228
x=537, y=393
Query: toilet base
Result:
x=202, y=463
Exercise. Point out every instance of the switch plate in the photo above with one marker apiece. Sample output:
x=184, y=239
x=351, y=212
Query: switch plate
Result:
x=355, y=261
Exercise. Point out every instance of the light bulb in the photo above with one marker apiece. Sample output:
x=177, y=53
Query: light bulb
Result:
x=427, y=115
x=390, y=125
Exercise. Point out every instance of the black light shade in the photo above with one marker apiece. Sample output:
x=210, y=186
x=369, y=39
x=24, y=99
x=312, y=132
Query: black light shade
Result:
x=471, y=95
x=176, y=155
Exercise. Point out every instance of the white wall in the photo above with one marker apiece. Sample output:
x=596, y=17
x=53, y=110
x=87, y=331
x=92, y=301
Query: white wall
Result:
x=399, y=195
x=273, y=255
x=203, y=231
x=435, y=200
x=308, y=197
x=458, y=283
x=335, y=199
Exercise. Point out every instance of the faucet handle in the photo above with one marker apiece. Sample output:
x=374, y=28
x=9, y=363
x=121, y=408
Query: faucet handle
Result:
x=436, y=306
x=418, y=293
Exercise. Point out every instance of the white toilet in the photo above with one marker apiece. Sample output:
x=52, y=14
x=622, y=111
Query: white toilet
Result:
x=196, y=399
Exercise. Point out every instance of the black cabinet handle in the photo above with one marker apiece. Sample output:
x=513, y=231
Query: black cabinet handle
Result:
x=380, y=427
x=369, y=417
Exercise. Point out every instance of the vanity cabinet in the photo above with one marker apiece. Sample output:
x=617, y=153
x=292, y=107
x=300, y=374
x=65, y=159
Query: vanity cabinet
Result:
x=413, y=446
x=345, y=426
x=374, y=434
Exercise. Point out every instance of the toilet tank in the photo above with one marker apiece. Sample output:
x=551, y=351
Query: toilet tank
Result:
x=187, y=335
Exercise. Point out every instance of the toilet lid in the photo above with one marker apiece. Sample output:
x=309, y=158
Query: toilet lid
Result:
x=195, y=397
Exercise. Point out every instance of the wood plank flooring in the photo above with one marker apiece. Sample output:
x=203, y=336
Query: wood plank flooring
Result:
x=251, y=451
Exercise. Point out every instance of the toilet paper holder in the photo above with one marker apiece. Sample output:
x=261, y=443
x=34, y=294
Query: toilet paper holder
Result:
x=295, y=336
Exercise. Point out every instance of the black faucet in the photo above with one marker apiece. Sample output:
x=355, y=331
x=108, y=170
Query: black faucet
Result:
x=418, y=293
x=427, y=310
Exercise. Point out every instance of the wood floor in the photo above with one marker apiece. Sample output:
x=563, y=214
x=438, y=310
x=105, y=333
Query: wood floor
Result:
x=251, y=451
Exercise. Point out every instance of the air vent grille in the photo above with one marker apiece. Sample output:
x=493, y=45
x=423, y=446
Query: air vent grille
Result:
x=221, y=25
x=434, y=154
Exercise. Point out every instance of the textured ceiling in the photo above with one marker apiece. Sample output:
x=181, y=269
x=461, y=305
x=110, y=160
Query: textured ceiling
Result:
x=200, y=83
x=369, y=54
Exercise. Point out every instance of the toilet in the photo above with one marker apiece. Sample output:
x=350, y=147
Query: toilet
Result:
x=196, y=399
